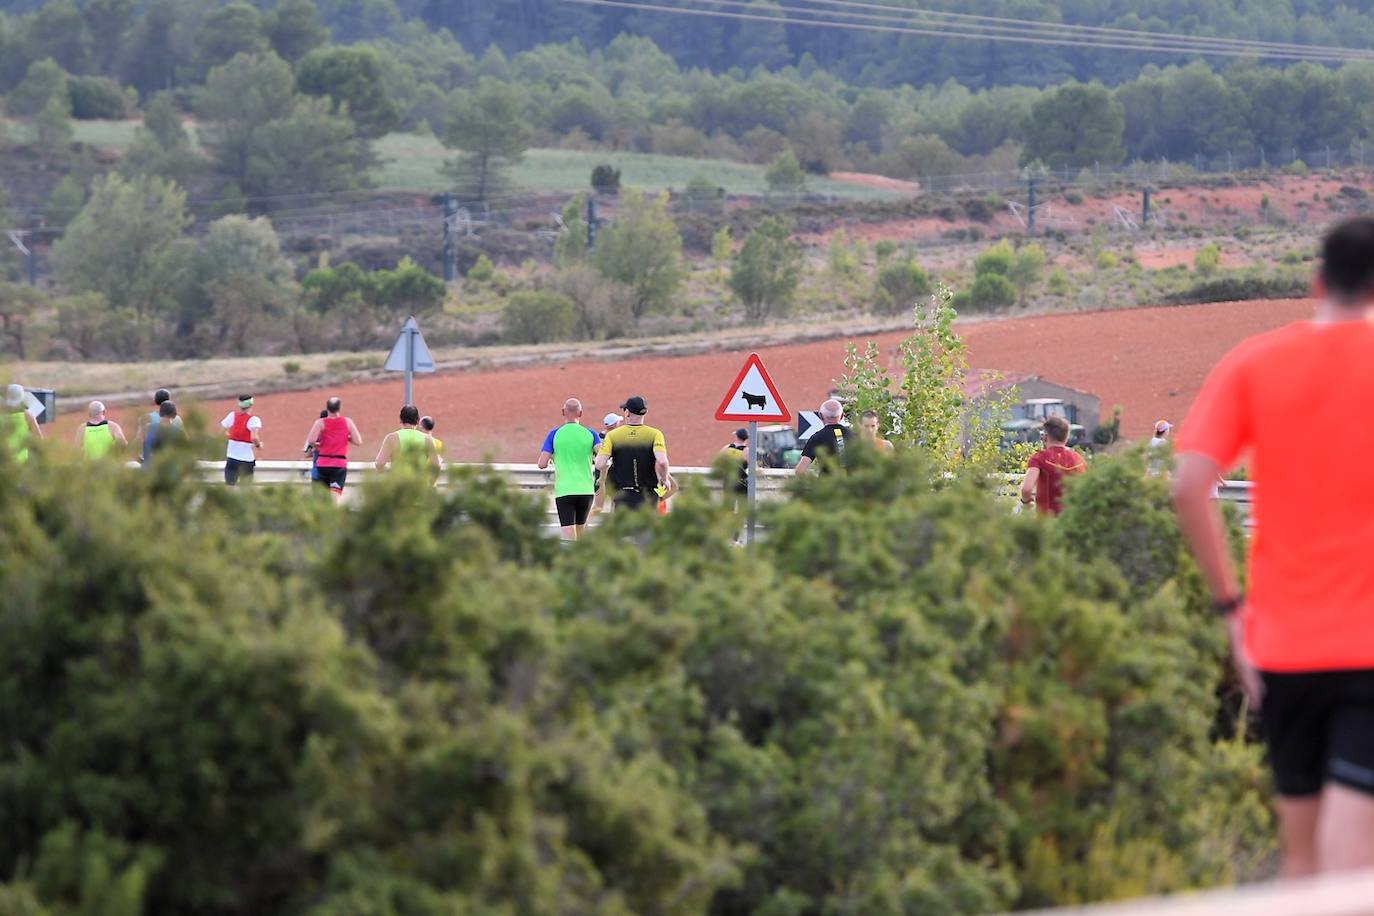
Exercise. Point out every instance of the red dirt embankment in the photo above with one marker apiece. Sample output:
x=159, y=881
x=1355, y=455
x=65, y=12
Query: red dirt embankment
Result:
x=1151, y=361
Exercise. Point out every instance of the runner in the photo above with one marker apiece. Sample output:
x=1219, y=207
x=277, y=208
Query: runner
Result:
x=427, y=427
x=18, y=428
x=637, y=457
x=99, y=435
x=868, y=429
x=1047, y=468
x=167, y=430
x=241, y=429
x=1161, y=437
x=1303, y=638
x=608, y=423
x=312, y=449
x=407, y=446
x=827, y=444
x=737, y=482
x=572, y=448
x=329, y=438
x=147, y=423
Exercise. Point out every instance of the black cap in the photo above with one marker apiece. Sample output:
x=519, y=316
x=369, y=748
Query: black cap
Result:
x=635, y=405
x=742, y=433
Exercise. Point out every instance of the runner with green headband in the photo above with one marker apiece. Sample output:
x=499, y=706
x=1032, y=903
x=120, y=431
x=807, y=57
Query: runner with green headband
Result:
x=241, y=429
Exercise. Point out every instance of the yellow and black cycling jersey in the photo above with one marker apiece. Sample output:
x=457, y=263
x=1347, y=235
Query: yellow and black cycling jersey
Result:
x=631, y=450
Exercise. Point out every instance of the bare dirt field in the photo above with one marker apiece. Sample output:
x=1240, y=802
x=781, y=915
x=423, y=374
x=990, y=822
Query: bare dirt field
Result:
x=1151, y=361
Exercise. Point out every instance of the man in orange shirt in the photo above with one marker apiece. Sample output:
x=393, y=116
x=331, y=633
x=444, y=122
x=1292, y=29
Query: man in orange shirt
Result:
x=1047, y=468
x=1303, y=638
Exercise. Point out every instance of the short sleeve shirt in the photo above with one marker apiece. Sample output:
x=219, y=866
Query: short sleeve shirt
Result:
x=573, y=446
x=828, y=445
x=1310, y=601
x=631, y=450
x=240, y=451
x=1054, y=464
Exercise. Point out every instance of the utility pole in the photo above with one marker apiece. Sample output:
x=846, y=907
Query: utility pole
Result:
x=1030, y=205
x=1145, y=207
x=450, y=218
x=592, y=222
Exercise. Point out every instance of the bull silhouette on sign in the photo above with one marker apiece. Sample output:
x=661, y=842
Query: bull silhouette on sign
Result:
x=754, y=400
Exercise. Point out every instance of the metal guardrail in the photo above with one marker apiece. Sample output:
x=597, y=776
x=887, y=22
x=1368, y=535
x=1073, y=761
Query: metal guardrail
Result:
x=530, y=478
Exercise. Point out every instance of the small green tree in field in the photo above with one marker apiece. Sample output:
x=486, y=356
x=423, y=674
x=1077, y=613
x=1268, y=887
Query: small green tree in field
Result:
x=785, y=175
x=1207, y=260
x=642, y=249
x=923, y=401
x=843, y=261
x=767, y=270
x=485, y=126
x=571, y=246
x=538, y=317
x=991, y=291
x=1027, y=269
x=899, y=286
x=722, y=245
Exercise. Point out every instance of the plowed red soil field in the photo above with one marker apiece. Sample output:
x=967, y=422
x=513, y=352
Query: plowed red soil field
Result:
x=1151, y=361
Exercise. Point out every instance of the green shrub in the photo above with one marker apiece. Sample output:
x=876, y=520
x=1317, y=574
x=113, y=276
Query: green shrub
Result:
x=992, y=291
x=1105, y=260
x=99, y=97
x=1058, y=282
x=998, y=259
x=606, y=180
x=538, y=317
x=1207, y=260
x=482, y=271
x=898, y=287
x=885, y=249
x=1245, y=284
x=291, y=367
x=902, y=700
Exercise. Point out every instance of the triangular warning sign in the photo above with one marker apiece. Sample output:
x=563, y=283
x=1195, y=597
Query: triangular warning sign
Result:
x=396, y=360
x=753, y=396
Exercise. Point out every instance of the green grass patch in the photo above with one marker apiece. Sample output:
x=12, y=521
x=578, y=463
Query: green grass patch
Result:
x=411, y=162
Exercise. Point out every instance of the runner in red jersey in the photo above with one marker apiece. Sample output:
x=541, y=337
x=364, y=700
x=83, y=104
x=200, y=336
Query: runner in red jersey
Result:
x=330, y=438
x=1047, y=468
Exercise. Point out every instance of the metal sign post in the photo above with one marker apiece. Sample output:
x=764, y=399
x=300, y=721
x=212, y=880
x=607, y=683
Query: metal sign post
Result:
x=752, y=484
x=753, y=397
x=410, y=354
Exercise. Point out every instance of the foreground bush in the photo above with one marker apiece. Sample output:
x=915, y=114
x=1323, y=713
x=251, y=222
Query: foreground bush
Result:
x=902, y=701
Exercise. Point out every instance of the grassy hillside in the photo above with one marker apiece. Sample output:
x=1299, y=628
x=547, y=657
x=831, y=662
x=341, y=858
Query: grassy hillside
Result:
x=412, y=162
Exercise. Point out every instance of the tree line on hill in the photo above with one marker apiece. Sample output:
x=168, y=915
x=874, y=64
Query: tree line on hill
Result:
x=325, y=90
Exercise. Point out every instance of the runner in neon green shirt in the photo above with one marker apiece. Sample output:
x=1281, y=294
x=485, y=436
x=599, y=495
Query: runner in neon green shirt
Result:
x=18, y=429
x=99, y=436
x=572, y=448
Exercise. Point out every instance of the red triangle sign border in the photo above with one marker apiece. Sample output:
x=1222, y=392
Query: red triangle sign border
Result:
x=754, y=361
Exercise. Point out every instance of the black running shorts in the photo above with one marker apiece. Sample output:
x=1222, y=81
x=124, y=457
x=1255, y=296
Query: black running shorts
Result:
x=1319, y=726
x=635, y=499
x=573, y=510
x=333, y=478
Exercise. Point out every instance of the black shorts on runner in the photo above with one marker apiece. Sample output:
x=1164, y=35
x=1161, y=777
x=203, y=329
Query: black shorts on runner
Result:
x=234, y=469
x=1319, y=726
x=333, y=478
x=635, y=499
x=573, y=510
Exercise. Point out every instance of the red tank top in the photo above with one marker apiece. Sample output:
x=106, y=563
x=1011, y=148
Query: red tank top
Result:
x=239, y=431
x=333, y=443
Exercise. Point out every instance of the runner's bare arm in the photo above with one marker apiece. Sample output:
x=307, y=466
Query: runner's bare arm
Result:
x=601, y=461
x=1200, y=522
x=802, y=464
x=257, y=439
x=1028, y=485
x=661, y=465
x=384, y=453
x=118, y=432
x=34, y=427
x=433, y=450
x=314, y=435
x=353, y=435
x=543, y=461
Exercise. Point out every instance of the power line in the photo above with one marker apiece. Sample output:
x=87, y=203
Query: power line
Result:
x=1335, y=56
x=903, y=13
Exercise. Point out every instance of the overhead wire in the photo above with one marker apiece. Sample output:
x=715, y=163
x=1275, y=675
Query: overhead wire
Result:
x=918, y=13
x=789, y=17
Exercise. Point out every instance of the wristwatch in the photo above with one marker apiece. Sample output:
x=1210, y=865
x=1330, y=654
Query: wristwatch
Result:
x=1225, y=607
